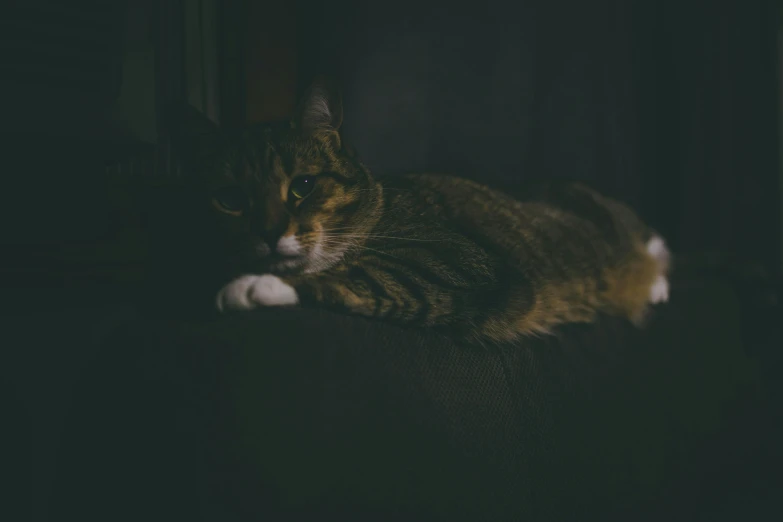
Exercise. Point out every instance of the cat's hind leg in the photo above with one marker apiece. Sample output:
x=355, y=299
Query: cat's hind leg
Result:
x=659, y=290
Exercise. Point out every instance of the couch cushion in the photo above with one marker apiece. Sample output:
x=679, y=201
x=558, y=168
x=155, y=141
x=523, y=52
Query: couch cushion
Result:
x=301, y=411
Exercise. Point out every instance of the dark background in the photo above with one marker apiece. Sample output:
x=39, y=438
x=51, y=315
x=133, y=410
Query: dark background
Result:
x=671, y=105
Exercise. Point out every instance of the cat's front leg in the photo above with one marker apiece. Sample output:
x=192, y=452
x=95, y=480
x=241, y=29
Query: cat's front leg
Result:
x=332, y=290
x=255, y=291
x=358, y=290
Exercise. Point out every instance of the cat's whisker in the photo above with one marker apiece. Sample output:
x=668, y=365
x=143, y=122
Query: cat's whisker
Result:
x=350, y=244
x=385, y=189
x=353, y=229
x=376, y=236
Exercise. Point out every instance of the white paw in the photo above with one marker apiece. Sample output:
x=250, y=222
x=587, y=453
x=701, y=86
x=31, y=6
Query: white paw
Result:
x=659, y=290
x=252, y=291
x=657, y=249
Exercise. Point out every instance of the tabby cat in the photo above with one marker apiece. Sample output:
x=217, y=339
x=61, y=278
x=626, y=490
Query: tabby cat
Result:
x=305, y=223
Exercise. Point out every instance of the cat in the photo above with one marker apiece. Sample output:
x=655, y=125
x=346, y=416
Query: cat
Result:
x=303, y=222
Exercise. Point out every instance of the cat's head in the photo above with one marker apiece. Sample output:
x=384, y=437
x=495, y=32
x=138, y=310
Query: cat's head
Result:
x=287, y=198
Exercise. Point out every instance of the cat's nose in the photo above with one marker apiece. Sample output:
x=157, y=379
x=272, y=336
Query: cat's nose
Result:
x=272, y=231
x=272, y=222
x=271, y=237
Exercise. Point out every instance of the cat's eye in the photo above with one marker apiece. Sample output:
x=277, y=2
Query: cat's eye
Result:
x=231, y=200
x=302, y=186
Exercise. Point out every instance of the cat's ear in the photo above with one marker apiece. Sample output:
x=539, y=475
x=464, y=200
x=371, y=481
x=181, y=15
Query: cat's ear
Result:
x=193, y=135
x=320, y=112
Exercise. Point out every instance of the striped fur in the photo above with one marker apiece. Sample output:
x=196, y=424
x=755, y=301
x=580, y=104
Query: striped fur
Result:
x=421, y=250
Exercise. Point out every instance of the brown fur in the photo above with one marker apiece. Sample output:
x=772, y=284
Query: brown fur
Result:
x=426, y=250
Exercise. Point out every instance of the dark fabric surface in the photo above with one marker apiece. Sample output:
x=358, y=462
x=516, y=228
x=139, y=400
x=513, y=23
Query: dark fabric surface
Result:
x=305, y=415
x=16, y=441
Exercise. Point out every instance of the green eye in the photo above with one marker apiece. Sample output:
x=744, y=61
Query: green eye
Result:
x=302, y=186
x=231, y=200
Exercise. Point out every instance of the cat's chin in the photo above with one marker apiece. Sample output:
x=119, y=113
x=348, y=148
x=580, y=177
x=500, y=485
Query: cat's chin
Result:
x=278, y=265
x=285, y=266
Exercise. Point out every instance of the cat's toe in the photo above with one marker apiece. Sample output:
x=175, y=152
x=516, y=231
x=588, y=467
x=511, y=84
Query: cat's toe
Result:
x=659, y=290
x=252, y=291
x=236, y=294
x=657, y=249
x=269, y=290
